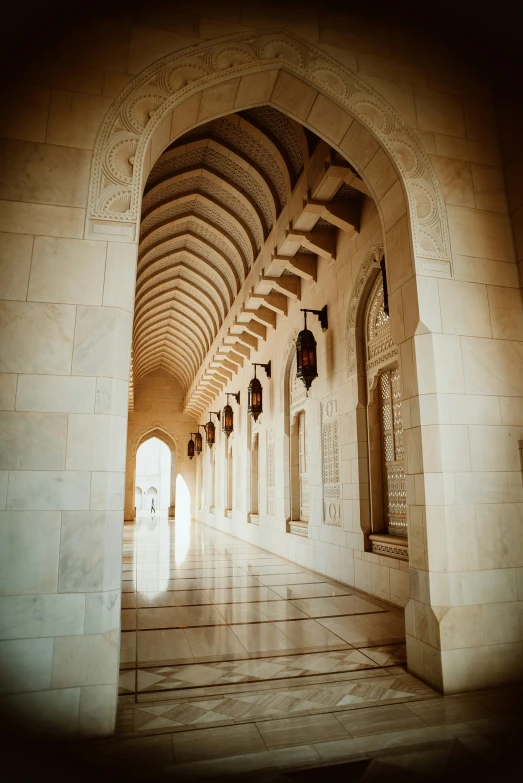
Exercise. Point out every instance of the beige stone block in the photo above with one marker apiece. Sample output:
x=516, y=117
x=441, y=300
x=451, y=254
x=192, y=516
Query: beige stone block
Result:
x=68, y=271
x=107, y=491
x=455, y=177
x=399, y=94
x=393, y=205
x=506, y=313
x=218, y=100
x=428, y=141
x=292, y=96
x=445, y=447
x=147, y=45
x=494, y=448
x=489, y=587
x=328, y=119
x=492, y=366
x=421, y=306
x=102, y=342
x=96, y=442
x=480, y=120
x=25, y=665
x=464, y=308
x=439, y=364
x=462, y=626
x=53, y=74
x=32, y=441
x=55, y=394
x=25, y=112
x=97, y=44
x=481, y=270
x=499, y=534
x=114, y=83
x=433, y=409
x=503, y=622
x=53, y=712
x=481, y=487
x=113, y=550
x=15, y=262
x=29, y=545
x=82, y=547
x=399, y=254
x=97, y=710
x=47, y=490
x=464, y=149
x=85, y=660
x=4, y=476
x=185, y=115
x=36, y=616
x=399, y=587
x=380, y=581
x=380, y=173
x=359, y=145
x=112, y=396
x=391, y=69
x=474, y=409
x=36, y=338
x=215, y=28
x=43, y=173
x=481, y=234
x=255, y=88
x=75, y=118
x=511, y=410
x=120, y=275
x=102, y=612
x=42, y=219
x=7, y=391
x=489, y=188
x=519, y=576
x=439, y=112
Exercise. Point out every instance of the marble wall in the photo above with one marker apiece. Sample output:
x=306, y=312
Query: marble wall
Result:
x=66, y=320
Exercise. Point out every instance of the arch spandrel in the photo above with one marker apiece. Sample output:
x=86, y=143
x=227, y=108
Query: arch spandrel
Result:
x=117, y=173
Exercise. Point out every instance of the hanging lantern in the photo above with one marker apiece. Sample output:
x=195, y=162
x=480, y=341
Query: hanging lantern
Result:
x=190, y=448
x=306, y=356
x=255, y=392
x=198, y=445
x=228, y=414
x=210, y=429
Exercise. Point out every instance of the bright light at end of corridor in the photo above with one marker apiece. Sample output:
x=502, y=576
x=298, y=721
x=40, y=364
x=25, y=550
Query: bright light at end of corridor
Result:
x=182, y=523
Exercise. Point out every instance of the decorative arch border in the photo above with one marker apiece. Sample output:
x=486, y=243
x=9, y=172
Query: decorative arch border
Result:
x=119, y=153
x=157, y=431
x=366, y=274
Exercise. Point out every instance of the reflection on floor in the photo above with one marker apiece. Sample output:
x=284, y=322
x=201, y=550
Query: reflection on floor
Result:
x=234, y=660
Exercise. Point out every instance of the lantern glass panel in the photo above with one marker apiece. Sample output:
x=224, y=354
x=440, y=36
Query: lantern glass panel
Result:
x=190, y=449
x=210, y=433
x=228, y=420
x=255, y=396
x=197, y=443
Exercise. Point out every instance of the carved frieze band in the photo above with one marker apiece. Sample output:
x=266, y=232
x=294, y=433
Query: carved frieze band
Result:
x=330, y=462
x=116, y=186
x=390, y=550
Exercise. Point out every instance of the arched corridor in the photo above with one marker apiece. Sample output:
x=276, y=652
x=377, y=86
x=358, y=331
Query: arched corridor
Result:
x=261, y=320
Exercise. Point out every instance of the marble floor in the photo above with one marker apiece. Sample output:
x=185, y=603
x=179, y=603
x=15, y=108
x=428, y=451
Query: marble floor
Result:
x=234, y=661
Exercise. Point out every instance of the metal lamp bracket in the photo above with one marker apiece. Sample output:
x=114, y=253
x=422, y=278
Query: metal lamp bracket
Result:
x=322, y=317
x=266, y=367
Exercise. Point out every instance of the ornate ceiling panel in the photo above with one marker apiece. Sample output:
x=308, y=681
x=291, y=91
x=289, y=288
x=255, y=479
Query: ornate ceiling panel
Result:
x=209, y=204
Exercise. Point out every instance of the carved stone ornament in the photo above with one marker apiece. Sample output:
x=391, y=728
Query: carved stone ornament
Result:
x=116, y=178
x=370, y=264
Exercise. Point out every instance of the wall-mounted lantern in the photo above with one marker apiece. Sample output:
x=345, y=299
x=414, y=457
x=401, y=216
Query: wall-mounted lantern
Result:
x=210, y=429
x=190, y=447
x=306, y=357
x=255, y=391
x=198, y=443
x=228, y=414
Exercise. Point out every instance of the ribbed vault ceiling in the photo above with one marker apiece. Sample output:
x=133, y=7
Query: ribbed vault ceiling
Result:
x=209, y=204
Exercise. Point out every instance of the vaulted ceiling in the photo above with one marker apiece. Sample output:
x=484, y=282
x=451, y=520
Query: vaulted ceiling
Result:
x=210, y=202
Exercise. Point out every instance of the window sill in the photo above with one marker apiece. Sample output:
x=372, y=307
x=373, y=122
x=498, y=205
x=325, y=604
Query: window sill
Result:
x=254, y=519
x=385, y=545
x=228, y=513
x=298, y=528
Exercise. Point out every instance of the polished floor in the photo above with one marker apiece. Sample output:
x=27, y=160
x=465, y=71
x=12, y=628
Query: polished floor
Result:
x=234, y=660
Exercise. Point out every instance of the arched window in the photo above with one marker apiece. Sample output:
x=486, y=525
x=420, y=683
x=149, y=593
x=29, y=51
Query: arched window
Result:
x=138, y=495
x=230, y=477
x=385, y=430
x=212, y=477
x=255, y=478
x=299, y=481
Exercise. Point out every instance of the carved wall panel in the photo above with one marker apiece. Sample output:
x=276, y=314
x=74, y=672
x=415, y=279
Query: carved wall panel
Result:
x=331, y=461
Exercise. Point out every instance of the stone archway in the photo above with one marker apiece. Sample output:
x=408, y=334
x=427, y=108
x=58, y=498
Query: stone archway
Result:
x=213, y=78
x=176, y=461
